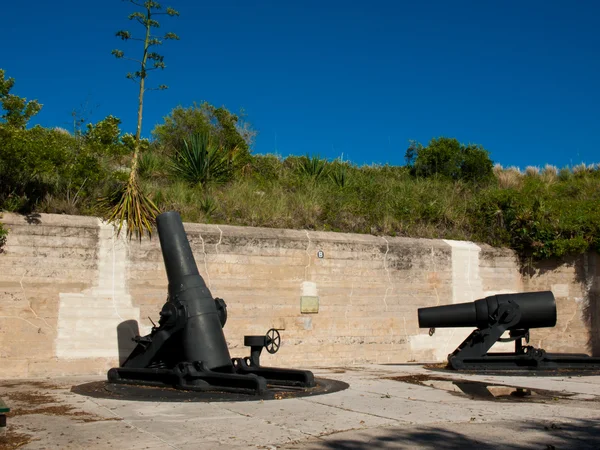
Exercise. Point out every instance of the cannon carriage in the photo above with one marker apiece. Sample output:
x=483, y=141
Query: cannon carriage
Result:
x=495, y=315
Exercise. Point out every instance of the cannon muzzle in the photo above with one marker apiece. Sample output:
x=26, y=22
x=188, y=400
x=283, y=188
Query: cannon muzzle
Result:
x=537, y=310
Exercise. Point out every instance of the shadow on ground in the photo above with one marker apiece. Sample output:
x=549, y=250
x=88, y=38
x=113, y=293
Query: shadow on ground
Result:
x=580, y=434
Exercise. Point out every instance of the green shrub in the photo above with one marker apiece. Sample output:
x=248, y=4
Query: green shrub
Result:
x=541, y=220
x=449, y=158
x=226, y=129
x=38, y=162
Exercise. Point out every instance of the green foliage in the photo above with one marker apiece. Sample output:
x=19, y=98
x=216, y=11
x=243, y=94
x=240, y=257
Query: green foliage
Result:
x=449, y=158
x=542, y=220
x=38, y=162
x=105, y=138
x=208, y=206
x=339, y=174
x=266, y=169
x=227, y=129
x=202, y=160
x=150, y=164
x=18, y=111
x=313, y=167
x=3, y=235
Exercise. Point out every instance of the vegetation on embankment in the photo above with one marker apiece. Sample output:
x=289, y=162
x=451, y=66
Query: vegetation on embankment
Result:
x=200, y=163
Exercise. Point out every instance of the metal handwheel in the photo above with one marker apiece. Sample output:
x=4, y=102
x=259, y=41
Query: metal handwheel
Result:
x=272, y=340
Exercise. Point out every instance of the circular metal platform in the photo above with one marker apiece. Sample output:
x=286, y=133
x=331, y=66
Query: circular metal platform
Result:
x=524, y=372
x=116, y=391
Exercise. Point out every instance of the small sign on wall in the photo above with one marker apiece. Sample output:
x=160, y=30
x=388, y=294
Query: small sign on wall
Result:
x=309, y=298
x=309, y=304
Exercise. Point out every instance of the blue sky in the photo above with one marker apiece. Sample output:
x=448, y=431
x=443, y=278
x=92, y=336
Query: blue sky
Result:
x=334, y=77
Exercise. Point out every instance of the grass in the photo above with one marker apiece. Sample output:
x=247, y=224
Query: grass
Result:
x=540, y=213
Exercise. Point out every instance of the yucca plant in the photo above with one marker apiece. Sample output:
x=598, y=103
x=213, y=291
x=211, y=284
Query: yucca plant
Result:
x=339, y=175
x=202, y=160
x=313, y=167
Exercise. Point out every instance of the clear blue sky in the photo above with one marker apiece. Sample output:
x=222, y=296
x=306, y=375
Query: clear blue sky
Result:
x=334, y=77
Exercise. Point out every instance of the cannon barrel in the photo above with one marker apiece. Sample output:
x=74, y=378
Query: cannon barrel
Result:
x=202, y=337
x=537, y=309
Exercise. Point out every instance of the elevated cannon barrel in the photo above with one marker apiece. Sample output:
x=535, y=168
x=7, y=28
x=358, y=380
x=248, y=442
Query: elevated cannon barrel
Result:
x=202, y=337
x=537, y=309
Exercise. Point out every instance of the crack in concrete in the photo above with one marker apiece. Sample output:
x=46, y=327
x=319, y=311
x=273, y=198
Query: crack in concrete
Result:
x=307, y=255
x=220, y=239
x=570, y=320
x=24, y=320
x=30, y=307
x=352, y=410
x=387, y=271
x=205, y=261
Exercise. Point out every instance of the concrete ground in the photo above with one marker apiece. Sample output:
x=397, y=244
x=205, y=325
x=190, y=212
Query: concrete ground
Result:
x=375, y=412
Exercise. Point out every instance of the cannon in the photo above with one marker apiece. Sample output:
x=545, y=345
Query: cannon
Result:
x=493, y=316
x=187, y=349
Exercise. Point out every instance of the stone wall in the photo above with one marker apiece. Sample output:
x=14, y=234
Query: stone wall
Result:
x=72, y=293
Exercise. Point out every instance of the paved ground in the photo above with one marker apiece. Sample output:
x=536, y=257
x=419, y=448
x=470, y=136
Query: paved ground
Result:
x=375, y=412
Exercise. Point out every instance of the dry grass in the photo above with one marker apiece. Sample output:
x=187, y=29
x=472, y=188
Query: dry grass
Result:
x=509, y=178
x=582, y=168
x=532, y=171
x=549, y=174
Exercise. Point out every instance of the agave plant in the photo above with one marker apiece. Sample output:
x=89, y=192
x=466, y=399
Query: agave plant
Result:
x=314, y=167
x=202, y=160
x=129, y=205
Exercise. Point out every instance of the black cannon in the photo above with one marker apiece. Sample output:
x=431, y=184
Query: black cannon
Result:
x=493, y=316
x=187, y=349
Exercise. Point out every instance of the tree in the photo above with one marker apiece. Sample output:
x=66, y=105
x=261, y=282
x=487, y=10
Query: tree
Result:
x=131, y=205
x=449, y=158
x=18, y=110
x=227, y=129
